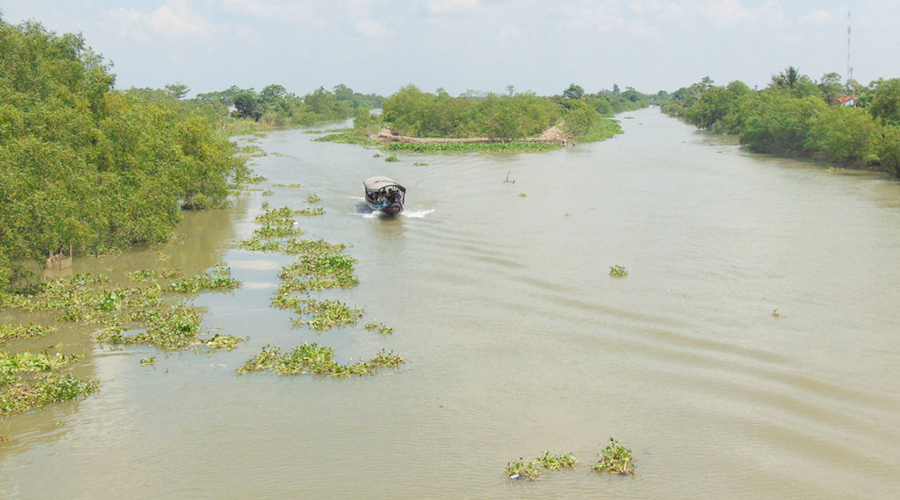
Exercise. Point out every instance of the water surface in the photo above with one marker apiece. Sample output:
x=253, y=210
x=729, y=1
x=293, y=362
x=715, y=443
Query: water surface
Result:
x=517, y=339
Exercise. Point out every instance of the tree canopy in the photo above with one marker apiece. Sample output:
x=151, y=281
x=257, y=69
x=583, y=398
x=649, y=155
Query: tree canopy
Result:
x=84, y=165
x=797, y=116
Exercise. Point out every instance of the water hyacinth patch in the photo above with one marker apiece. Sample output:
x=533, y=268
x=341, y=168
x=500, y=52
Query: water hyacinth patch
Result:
x=42, y=391
x=10, y=332
x=380, y=327
x=309, y=247
x=283, y=216
x=328, y=314
x=281, y=231
x=318, y=272
x=29, y=381
x=618, y=271
x=313, y=211
x=218, y=280
x=317, y=360
x=531, y=469
x=615, y=459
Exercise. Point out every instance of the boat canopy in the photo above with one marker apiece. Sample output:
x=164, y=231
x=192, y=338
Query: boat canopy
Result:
x=379, y=182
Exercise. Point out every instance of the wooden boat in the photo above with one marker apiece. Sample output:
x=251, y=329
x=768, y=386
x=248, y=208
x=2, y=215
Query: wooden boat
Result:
x=383, y=194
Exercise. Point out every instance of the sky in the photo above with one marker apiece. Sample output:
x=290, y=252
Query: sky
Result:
x=379, y=46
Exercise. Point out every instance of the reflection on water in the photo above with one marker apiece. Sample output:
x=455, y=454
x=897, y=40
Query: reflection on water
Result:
x=517, y=340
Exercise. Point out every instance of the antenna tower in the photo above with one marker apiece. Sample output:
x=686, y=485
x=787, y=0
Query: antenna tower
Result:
x=851, y=85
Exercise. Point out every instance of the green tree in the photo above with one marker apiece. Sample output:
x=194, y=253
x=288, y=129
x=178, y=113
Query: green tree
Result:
x=885, y=105
x=177, y=90
x=248, y=105
x=573, y=92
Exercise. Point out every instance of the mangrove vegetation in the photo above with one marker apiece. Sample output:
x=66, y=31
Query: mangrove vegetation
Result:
x=844, y=125
x=422, y=122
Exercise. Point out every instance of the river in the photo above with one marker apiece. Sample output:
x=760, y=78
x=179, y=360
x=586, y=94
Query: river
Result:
x=753, y=350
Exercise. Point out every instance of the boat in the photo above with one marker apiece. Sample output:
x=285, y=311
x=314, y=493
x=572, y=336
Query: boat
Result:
x=384, y=194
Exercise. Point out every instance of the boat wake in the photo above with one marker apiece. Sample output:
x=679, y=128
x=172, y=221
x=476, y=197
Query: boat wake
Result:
x=365, y=212
x=416, y=214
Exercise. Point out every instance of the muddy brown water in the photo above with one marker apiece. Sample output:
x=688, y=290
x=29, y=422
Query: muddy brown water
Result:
x=517, y=339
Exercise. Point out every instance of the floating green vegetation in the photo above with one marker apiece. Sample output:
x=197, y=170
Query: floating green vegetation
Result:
x=317, y=360
x=283, y=216
x=221, y=341
x=251, y=151
x=280, y=185
x=268, y=192
x=776, y=313
x=380, y=327
x=522, y=195
x=11, y=332
x=618, y=271
x=313, y=211
x=392, y=159
x=318, y=272
x=256, y=179
x=257, y=244
x=218, y=280
x=313, y=198
x=148, y=361
x=615, y=459
x=471, y=147
x=82, y=299
x=41, y=391
x=310, y=247
x=328, y=314
x=531, y=469
x=282, y=231
x=29, y=381
x=421, y=163
x=177, y=329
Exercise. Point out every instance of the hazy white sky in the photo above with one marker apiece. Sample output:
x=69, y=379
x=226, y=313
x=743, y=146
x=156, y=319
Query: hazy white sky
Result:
x=377, y=46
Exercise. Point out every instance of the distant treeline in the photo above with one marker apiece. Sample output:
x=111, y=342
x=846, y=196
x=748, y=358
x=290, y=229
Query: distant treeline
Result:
x=236, y=110
x=85, y=166
x=797, y=116
x=511, y=116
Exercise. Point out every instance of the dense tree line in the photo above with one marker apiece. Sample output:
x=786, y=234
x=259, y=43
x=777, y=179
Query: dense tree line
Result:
x=795, y=115
x=84, y=165
x=275, y=107
x=511, y=116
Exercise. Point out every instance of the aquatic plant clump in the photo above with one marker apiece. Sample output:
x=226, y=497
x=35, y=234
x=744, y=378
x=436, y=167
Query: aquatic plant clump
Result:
x=310, y=247
x=318, y=272
x=42, y=391
x=313, y=211
x=618, y=271
x=380, y=327
x=615, y=459
x=283, y=216
x=11, y=332
x=218, y=280
x=176, y=329
x=327, y=314
x=531, y=469
x=29, y=381
x=317, y=360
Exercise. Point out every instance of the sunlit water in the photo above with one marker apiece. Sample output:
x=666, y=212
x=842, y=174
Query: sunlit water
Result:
x=517, y=339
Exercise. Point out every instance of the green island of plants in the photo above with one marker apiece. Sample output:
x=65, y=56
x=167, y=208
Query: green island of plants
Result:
x=317, y=360
x=531, y=469
x=420, y=122
x=618, y=271
x=614, y=459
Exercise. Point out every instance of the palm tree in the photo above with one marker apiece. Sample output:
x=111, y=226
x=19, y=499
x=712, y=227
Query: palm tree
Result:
x=787, y=78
